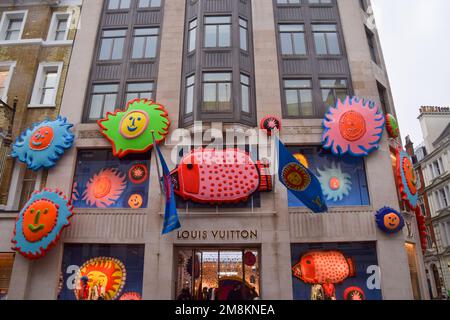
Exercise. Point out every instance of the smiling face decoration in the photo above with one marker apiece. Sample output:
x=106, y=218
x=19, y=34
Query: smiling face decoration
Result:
x=389, y=220
x=42, y=145
x=39, y=224
x=407, y=179
x=104, y=188
x=353, y=126
x=130, y=131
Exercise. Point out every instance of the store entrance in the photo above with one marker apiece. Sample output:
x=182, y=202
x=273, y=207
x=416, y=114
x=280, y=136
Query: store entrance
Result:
x=217, y=274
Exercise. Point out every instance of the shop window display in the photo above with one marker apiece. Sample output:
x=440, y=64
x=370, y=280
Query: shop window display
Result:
x=6, y=266
x=104, y=181
x=218, y=274
x=101, y=272
x=335, y=271
x=343, y=178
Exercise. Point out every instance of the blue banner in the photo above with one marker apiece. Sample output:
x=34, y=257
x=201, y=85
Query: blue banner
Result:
x=300, y=181
x=171, y=221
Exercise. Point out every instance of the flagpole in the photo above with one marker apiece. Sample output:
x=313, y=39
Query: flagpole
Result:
x=157, y=159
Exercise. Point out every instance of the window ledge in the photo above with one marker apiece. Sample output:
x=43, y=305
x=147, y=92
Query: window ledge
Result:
x=41, y=106
x=57, y=43
x=20, y=42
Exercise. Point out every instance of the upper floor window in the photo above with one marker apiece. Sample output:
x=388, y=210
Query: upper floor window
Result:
x=190, y=87
x=103, y=100
x=333, y=89
x=298, y=94
x=372, y=45
x=217, y=92
x=383, y=97
x=145, y=42
x=288, y=1
x=118, y=4
x=192, y=35
x=59, y=27
x=6, y=70
x=6, y=268
x=292, y=38
x=217, y=31
x=46, y=85
x=12, y=24
x=139, y=90
x=112, y=44
x=245, y=92
x=149, y=3
x=326, y=39
x=319, y=1
x=243, y=34
x=436, y=168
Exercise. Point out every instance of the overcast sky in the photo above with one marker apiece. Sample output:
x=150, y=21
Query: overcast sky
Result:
x=415, y=38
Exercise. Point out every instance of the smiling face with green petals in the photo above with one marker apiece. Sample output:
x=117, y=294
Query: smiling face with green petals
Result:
x=135, y=129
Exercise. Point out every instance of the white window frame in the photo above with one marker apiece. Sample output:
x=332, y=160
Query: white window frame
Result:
x=10, y=65
x=6, y=17
x=43, y=67
x=54, y=24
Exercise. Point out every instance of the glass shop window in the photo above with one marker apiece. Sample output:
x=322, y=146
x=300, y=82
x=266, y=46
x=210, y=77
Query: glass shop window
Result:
x=343, y=178
x=6, y=267
x=104, y=181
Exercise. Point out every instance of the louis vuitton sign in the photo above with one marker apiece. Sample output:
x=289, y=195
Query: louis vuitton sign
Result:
x=217, y=235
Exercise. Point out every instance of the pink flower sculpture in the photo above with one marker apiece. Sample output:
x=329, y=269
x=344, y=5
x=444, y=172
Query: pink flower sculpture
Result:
x=104, y=188
x=354, y=126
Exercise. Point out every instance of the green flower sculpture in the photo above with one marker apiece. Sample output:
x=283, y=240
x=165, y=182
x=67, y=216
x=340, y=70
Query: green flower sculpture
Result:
x=130, y=131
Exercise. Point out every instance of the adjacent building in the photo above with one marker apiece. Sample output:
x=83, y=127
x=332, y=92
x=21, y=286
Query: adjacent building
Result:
x=218, y=67
x=36, y=39
x=432, y=163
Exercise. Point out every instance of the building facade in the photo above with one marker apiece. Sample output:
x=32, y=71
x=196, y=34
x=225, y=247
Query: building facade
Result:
x=36, y=39
x=433, y=164
x=219, y=67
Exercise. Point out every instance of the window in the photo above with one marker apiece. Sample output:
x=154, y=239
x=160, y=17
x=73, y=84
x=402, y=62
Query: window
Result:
x=319, y=1
x=217, y=92
x=217, y=32
x=383, y=97
x=298, y=95
x=103, y=100
x=118, y=4
x=326, y=39
x=127, y=180
x=6, y=267
x=12, y=24
x=145, y=42
x=372, y=45
x=437, y=168
x=149, y=3
x=288, y=1
x=192, y=35
x=6, y=72
x=292, y=38
x=333, y=89
x=442, y=199
x=46, y=85
x=139, y=90
x=349, y=172
x=190, y=87
x=245, y=92
x=112, y=44
x=243, y=34
x=59, y=27
x=29, y=180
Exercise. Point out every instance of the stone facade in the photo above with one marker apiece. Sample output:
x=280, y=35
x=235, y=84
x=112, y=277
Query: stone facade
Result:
x=277, y=226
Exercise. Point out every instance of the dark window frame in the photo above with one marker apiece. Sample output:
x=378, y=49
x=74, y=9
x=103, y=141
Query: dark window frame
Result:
x=339, y=41
x=217, y=28
x=305, y=42
x=217, y=90
x=298, y=89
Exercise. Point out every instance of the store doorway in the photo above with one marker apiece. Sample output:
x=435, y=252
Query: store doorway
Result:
x=218, y=274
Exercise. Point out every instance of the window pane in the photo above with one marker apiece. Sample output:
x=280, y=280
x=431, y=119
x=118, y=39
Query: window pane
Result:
x=217, y=20
x=142, y=86
x=286, y=43
x=328, y=98
x=131, y=96
x=209, y=96
x=113, y=4
x=105, y=49
x=114, y=33
x=333, y=43
x=146, y=31
x=12, y=35
x=306, y=105
x=341, y=94
x=50, y=79
x=150, y=50
x=47, y=96
x=138, y=47
x=243, y=38
x=319, y=40
x=124, y=4
x=324, y=27
x=224, y=36
x=110, y=103
x=190, y=99
x=292, y=103
x=297, y=83
x=100, y=88
x=224, y=95
x=292, y=27
x=95, y=111
x=299, y=43
x=192, y=39
x=245, y=98
x=210, y=36
x=224, y=76
x=118, y=48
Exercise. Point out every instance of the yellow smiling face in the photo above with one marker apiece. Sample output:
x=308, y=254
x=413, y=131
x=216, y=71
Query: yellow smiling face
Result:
x=134, y=124
x=97, y=278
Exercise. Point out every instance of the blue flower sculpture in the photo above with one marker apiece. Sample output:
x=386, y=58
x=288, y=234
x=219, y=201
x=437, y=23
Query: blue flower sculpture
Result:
x=44, y=143
x=389, y=220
